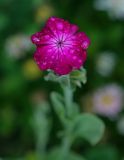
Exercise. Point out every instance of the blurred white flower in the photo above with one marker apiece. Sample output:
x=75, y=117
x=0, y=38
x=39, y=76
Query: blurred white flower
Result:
x=17, y=45
x=108, y=101
x=120, y=125
x=105, y=63
x=115, y=8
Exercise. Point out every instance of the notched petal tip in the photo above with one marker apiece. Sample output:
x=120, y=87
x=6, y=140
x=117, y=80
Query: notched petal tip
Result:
x=35, y=38
x=84, y=40
x=86, y=43
x=74, y=28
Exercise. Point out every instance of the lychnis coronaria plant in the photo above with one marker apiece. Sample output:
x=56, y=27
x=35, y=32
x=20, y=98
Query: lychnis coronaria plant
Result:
x=61, y=50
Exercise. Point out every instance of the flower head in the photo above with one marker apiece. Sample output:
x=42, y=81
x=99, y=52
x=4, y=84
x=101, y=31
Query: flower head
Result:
x=59, y=46
x=108, y=101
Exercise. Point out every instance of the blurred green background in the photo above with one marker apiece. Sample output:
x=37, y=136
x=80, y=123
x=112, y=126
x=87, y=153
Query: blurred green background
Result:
x=22, y=86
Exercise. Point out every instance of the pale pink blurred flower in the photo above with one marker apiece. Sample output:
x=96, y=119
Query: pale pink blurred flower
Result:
x=108, y=101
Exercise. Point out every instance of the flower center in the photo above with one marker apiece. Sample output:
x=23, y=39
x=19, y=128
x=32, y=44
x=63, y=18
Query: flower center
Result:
x=107, y=100
x=60, y=43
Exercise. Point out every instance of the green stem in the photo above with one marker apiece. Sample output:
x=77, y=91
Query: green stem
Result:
x=40, y=147
x=68, y=96
x=66, y=144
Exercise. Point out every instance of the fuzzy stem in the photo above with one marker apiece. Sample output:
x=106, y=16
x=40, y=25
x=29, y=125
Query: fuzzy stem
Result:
x=66, y=144
x=68, y=96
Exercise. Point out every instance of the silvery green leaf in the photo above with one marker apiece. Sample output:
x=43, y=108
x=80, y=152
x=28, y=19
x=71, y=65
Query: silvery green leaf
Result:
x=88, y=127
x=78, y=76
x=56, y=154
x=51, y=77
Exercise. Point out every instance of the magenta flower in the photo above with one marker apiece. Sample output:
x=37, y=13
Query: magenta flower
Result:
x=60, y=47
